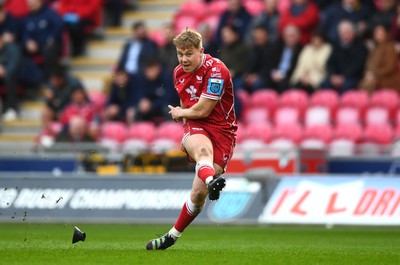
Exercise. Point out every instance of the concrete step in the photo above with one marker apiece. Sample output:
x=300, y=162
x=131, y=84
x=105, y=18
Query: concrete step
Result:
x=105, y=49
x=31, y=110
x=93, y=64
x=95, y=80
x=153, y=19
x=20, y=137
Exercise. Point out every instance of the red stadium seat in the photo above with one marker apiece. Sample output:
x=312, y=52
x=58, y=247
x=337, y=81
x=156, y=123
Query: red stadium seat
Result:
x=386, y=98
x=212, y=21
x=170, y=130
x=316, y=137
x=265, y=98
x=382, y=134
x=134, y=146
x=286, y=115
x=347, y=115
x=291, y=132
x=113, y=131
x=142, y=131
x=99, y=99
x=192, y=8
x=258, y=131
x=182, y=22
x=240, y=133
x=355, y=98
x=295, y=98
x=254, y=7
x=325, y=98
x=377, y=115
x=243, y=96
x=317, y=115
x=352, y=132
x=217, y=7
x=256, y=115
x=341, y=147
x=158, y=36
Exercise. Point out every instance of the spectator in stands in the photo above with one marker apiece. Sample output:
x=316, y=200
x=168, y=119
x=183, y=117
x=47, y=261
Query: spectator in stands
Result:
x=304, y=15
x=233, y=52
x=352, y=10
x=310, y=70
x=236, y=15
x=158, y=92
x=381, y=69
x=78, y=17
x=114, y=10
x=81, y=106
x=42, y=35
x=10, y=27
x=269, y=19
x=77, y=131
x=57, y=93
x=346, y=63
x=385, y=14
x=10, y=58
x=395, y=28
x=284, y=59
x=209, y=44
x=259, y=63
x=168, y=55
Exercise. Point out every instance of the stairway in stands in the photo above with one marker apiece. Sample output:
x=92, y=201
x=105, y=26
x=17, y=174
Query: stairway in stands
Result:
x=94, y=69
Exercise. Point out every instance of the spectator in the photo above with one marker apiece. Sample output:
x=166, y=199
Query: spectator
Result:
x=168, y=55
x=259, y=63
x=311, y=67
x=381, y=70
x=284, y=59
x=236, y=15
x=304, y=15
x=158, y=91
x=395, y=28
x=385, y=14
x=209, y=44
x=77, y=131
x=352, y=10
x=42, y=35
x=80, y=106
x=10, y=27
x=18, y=8
x=57, y=93
x=78, y=16
x=114, y=12
x=346, y=63
x=10, y=58
x=269, y=19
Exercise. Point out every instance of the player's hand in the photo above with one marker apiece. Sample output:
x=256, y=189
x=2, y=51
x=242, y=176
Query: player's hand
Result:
x=175, y=112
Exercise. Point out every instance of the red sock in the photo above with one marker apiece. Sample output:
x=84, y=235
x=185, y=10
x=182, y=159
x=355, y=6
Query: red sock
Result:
x=186, y=216
x=205, y=169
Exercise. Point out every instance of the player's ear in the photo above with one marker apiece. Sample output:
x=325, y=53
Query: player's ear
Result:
x=201, y=50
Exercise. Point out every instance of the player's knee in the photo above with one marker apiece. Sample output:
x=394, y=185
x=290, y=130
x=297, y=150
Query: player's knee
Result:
x=204, y=152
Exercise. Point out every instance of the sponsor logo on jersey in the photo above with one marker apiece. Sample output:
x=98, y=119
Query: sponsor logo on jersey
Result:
x=215, y=86
x=182, y=80
x=192, y=92
x=216, y=69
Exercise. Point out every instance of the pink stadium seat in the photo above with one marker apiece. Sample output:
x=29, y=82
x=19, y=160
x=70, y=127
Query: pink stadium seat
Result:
x=377, y=115
x=295, y=98
x=193, y=8
x=254, y=7
x=386, y=98
x=265, y=98
x=341, y=147
x=355, y=98
x=170, y=130
x=158, y=36
x=134, y=146
x=99, y=99
x=256, y=115
x=243, y=96
x=217, y=7
x=287, y=115
x=325, y=98
x=382, y=134
x=240, y=133
x=319, y=132
x=352, y=132
x=291, y=132
x=113, y=131
x=212, y=20
x=258, y=131
x=347, y=115
x=317, y=115
x=142, y=131
x=182, y=22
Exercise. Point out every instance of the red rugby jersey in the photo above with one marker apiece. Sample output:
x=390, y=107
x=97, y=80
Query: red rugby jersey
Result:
x=211, y=80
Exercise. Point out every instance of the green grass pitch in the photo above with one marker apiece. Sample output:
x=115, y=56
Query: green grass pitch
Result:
x=214, y=244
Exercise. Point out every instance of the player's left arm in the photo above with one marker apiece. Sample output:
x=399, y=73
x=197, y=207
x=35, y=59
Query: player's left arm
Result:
x=202, y=109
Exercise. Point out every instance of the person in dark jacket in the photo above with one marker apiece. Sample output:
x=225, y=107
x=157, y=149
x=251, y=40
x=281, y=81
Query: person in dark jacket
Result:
x=284, y=59
x=42, y=35
x=10, y=27
x=236, y=15
x=10, y=57
x=345, y=65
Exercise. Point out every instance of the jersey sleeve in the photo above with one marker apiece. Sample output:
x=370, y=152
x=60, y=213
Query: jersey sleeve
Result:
x=215, y=81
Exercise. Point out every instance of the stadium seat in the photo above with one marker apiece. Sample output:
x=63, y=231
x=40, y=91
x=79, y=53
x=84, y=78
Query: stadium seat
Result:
x=217, y=7
x=325, y=98
x=341, y=147
x=317, y=115
x=316, y=136
x=182, y=22
x=294, y=98
x=254, y=7
x=287, y=115
x=355, y=98
x=196, y=9
x=113, y=131
x=258, y=131
x=99, y=99
x=159, y=37
x=265, y=98
x=292, y=132
x=347, y=115
x=163, y=145
x=282, y=144
x=377, y=115
x=142, y=131
x=252, y=144
x=386, y=98
x=240, y=133
x=382, y=134
x=211, y=20
x=256, y=115
x=351, y=132
x=170, y=130
x=135, y=146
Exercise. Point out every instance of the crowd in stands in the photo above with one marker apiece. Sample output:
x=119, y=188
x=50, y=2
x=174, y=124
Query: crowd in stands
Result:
x=269, y=46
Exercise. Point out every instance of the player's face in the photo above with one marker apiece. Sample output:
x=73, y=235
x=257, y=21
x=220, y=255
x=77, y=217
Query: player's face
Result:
x=190, y=58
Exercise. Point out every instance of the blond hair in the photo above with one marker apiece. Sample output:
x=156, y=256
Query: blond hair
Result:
x=188, y=38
